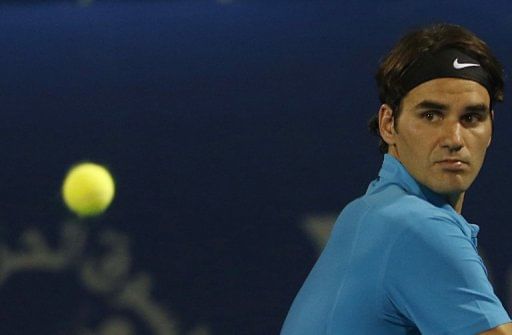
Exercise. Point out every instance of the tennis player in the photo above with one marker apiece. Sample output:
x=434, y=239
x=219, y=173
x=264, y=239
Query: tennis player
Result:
x=402, y=259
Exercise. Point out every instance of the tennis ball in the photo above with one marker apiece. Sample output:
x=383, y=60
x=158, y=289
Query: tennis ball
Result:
x=88, y=189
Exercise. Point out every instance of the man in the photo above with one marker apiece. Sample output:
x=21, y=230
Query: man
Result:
x=401, y=259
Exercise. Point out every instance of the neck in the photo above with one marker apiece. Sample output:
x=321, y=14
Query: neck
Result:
x=456, y=201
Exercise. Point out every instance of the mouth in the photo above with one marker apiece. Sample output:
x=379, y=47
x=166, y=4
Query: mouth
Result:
x=453, y=164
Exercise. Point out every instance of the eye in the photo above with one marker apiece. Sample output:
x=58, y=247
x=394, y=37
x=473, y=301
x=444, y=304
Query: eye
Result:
x=468, y=118
x=431, y=115
x=472, y=118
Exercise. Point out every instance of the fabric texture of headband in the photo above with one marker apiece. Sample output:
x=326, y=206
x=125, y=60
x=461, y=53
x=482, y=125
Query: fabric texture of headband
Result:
x=446, y=63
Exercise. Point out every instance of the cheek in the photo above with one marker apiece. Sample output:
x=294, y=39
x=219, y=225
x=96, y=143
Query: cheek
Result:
x=483, y=134
x=482, y=140
x=421, y=140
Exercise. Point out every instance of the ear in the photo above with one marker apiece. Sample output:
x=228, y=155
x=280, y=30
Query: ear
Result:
x=387, y=124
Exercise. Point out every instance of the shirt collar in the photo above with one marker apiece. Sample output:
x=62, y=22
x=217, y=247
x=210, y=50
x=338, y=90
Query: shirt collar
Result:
x=393, y=172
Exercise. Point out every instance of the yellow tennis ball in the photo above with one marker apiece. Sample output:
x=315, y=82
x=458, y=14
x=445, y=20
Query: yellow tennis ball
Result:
x=88, y=189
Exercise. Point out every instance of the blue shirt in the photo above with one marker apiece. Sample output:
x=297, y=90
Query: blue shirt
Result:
x=400, y=260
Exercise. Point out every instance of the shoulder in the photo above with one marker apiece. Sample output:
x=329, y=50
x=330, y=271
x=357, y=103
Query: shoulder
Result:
x=427, y=235
x=402, y=208
x=397, y=214
x=411, y=216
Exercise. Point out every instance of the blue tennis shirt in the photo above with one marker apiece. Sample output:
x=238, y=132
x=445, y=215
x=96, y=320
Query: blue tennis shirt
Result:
x=400, y=260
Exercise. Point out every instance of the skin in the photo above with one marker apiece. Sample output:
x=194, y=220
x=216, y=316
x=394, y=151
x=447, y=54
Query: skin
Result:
x=505, y=329
x=441, y=135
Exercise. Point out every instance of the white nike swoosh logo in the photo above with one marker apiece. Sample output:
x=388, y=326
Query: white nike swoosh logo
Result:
x=459, y=66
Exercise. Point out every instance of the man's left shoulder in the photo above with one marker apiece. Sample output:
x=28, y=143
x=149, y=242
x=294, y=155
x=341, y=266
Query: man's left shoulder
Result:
x=424, y=218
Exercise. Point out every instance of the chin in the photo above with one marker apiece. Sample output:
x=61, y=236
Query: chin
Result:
x=454, y=184
x=450, y=189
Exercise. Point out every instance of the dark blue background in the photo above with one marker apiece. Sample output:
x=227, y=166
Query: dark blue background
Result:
x=224, y=124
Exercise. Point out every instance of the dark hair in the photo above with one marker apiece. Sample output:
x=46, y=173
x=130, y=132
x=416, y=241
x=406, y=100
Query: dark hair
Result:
x=428, y=40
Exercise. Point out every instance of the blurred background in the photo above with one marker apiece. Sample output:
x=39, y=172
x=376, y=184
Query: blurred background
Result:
x=236, y=132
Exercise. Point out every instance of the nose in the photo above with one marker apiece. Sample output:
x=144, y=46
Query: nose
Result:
x=452, y=137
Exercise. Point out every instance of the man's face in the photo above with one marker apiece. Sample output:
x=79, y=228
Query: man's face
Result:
x=442, y=133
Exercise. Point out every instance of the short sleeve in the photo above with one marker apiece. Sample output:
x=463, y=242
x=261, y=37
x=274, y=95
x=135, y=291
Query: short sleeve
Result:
x=437, y=281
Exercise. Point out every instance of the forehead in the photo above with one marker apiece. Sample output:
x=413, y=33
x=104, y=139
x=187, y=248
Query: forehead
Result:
x=449, y=91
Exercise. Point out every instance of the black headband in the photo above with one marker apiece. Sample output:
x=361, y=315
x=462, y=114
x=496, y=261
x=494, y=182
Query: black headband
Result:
x=446, y=63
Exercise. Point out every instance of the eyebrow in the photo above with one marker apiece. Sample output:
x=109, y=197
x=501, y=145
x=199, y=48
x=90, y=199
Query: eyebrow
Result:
x=478, y=108
x=429, y=104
